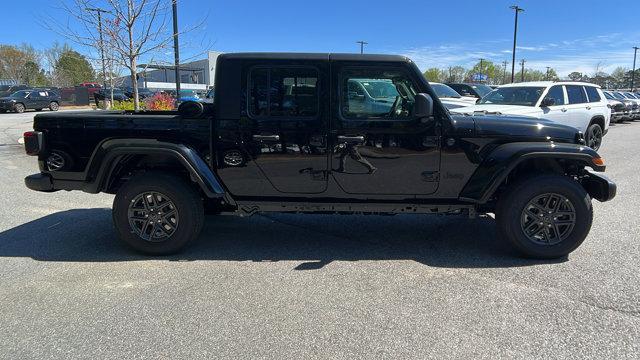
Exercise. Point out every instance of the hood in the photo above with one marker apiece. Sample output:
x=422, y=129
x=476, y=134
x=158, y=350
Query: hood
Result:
x=454, y=103
x=502, y=109
x=521, y=127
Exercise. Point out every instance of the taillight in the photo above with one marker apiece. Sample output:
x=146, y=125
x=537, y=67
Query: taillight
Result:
x=32, y=142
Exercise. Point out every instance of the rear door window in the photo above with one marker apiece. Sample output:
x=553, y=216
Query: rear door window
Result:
x=592, y=94
x=283, y=92
x=576, y=94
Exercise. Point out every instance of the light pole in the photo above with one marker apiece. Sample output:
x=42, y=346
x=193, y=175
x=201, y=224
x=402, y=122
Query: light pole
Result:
x=547, y=76
x=517, y=9
x=104, y=67
x=522, y=74
x=362, y=44
x=633, y=72
x=481, y=63
x=176, y=48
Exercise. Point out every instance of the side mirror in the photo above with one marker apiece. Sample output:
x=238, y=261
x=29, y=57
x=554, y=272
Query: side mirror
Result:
x=546, y=102
x=423, y=106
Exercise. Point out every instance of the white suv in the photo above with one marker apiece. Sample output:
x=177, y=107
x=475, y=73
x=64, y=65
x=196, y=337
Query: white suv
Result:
x=577, y=104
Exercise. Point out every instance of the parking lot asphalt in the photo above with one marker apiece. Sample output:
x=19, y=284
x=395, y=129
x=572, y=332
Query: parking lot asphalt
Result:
x=311, y=286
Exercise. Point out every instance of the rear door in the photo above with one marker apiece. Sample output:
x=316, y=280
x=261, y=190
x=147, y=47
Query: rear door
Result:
x=578, y=115
x=379, y=147
x=288, y=125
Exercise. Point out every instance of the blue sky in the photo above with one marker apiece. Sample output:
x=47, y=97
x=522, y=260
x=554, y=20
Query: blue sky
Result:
x=565, y=34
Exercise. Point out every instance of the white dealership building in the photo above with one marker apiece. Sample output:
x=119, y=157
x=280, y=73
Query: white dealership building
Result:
x=195, y=75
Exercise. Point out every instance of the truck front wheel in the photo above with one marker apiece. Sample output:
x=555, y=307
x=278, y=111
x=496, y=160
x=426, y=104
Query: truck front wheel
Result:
x=157, y=214
x=545, y=216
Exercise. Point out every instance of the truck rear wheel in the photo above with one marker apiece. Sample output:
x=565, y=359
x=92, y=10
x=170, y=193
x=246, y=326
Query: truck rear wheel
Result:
x=545, y=216
x=157, y=214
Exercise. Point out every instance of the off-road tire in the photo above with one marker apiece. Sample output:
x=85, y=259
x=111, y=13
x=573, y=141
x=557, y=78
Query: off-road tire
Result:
x=188, y=204
x=19, y=108
x=510, y=212
x=54, y=106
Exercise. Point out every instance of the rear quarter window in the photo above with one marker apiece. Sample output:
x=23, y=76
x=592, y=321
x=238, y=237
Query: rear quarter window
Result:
x=592, y=94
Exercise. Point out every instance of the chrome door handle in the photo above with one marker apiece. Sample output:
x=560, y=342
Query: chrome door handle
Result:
x=266, y=137
x=563, y=110
x=588, y=107
x=351, y=139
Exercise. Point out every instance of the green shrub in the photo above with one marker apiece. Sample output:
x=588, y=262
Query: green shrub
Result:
x=126, y=105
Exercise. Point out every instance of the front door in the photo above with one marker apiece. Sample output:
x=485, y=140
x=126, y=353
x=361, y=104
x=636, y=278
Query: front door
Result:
x=379, y=146
x=558, y=111
x=287, y=125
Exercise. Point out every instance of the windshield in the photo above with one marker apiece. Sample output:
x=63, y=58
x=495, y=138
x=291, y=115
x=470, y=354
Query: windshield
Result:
x=444, y=91
x=20, y=94
x=608, y=96
x=630, y=96
x=380, y=89
x=618, y=96
x=482, y=89
x=522, y=95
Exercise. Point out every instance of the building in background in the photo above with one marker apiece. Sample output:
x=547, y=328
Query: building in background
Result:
x=195, y=75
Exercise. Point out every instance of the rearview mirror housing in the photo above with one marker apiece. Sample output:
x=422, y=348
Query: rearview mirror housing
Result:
x=423, y=107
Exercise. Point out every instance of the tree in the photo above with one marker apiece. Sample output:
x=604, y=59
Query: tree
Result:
x=575, y=76
x=455, y=74
x=487, y=68
x=22, y=64
x=434, y=75
x=72, y=68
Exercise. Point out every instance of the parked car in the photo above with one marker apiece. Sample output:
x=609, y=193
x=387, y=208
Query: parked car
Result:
x=632, y=105
x=105, y=93
x=476, y=91
x=450, y=98
x=308, y=148
x=7, y=90
x=636, y=99
x=577, y=104
x=188, y=95
x=619, y=110
x=143, y=93
x=23, y=100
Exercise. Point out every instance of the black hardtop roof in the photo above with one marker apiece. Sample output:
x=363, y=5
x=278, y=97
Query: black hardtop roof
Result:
x=314, y=56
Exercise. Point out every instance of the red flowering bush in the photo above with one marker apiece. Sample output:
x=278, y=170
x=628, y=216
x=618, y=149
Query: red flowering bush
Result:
x=160, y=101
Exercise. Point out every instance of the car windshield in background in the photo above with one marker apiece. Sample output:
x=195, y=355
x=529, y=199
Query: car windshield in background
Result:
x=523, y=96
x=444, y=91
x=380, y=89
x=20, y=94
x=482, y=89
x=619, y=96
x=608, y=96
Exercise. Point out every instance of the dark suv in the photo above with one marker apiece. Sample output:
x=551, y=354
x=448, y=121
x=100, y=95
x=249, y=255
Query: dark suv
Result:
x=35, y=99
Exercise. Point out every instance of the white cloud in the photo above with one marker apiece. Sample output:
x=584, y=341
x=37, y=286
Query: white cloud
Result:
x=607, y=51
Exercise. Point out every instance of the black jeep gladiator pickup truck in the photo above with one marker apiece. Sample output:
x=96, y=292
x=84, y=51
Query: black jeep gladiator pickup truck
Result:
x=322, y=133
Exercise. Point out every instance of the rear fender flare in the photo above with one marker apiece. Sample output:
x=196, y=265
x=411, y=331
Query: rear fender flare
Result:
x=109, y=152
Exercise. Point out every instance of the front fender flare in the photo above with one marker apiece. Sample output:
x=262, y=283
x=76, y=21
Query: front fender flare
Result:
x=497, y=165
